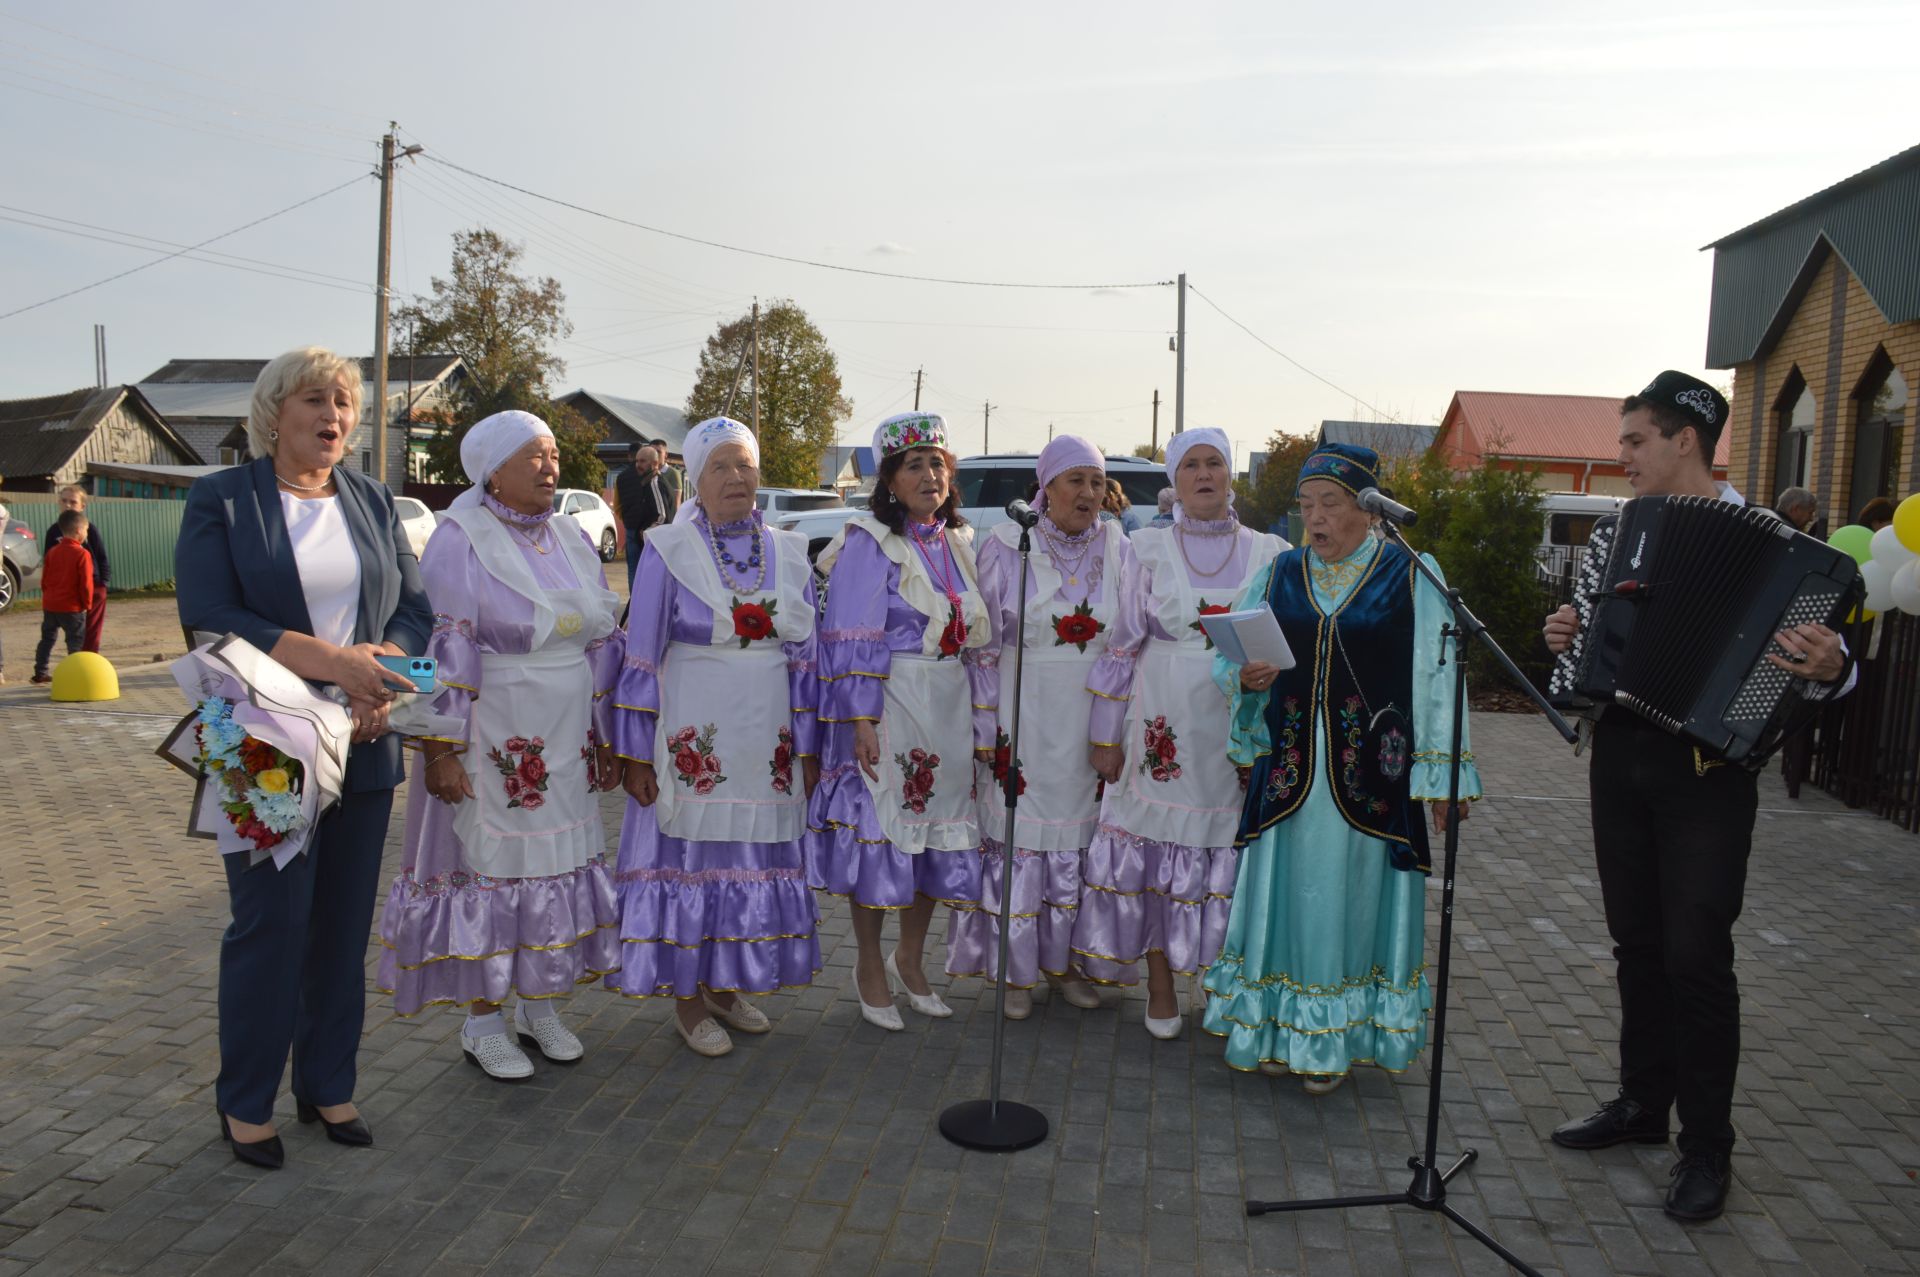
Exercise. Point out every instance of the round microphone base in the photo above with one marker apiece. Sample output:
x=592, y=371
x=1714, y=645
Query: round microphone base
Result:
x=1003, y=1127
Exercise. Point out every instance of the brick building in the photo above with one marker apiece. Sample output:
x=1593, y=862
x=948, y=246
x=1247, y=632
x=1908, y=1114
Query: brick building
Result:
x=1816, y=309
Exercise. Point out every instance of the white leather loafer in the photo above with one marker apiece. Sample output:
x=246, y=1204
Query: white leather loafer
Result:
x=742, y=1015
x=706, y=1038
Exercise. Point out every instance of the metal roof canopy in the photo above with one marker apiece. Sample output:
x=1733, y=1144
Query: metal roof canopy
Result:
x=1761, y=272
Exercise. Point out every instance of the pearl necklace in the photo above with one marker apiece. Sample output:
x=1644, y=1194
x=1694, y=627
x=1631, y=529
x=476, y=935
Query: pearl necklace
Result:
x=1057, y=539
x=321, y=486
x=1180, y=540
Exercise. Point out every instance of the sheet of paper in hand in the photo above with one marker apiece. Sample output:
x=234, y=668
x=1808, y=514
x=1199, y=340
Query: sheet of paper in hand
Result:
x=1252, y=635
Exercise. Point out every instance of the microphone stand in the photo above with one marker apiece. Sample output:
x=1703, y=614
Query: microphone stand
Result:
x=1428, y=1191
x=994, y=1125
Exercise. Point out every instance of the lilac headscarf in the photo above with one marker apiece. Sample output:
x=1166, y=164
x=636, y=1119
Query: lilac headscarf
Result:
x=1064, y=453
x=1185, y=441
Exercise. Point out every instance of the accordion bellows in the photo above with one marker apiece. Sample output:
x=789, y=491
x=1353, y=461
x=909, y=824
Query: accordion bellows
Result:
x=1693, y=593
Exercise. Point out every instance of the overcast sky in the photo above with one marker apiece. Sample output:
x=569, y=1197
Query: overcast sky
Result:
x=1408, y=199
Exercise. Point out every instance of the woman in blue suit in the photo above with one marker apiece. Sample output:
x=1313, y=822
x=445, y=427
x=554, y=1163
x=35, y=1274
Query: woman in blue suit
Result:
x=306, y=560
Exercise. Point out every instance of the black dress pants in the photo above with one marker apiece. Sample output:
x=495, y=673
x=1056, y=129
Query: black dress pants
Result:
x=1671, y=841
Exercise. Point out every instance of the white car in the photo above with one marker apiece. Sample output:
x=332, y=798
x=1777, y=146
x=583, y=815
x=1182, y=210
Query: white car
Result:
x=418, y=521
x=594, y=514
x=775, y=502
x=818, y=526
x=988, y=483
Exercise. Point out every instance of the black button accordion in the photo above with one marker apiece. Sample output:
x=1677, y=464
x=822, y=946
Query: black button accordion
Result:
x=1693, y=593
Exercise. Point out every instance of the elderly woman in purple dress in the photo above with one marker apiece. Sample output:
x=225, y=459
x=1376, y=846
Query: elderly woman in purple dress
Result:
x=1158, y=878
x=902, y=713
x=714, y=718
x=1073, y=595
x=504, y=885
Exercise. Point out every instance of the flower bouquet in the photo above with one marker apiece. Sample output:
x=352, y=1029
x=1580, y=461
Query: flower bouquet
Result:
x=269, y=753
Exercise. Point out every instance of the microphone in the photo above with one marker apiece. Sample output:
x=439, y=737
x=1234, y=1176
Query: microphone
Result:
x=1022, y=513
x=1374, y=501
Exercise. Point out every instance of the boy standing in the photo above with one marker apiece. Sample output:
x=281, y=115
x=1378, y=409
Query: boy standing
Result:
x=74, y=497
x=66, y=591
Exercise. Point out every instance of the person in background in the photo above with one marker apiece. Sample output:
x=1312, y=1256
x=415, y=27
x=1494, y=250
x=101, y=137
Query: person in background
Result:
x=66, y=590
x=1116, y=506
x=305, y=559
x=1798, y=507
x=670, y=481
x=639, y=501
x=74, y=497
x=1163, y=518
x=1876, y=514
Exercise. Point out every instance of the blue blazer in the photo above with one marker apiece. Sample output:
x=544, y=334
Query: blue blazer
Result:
x=234, y=573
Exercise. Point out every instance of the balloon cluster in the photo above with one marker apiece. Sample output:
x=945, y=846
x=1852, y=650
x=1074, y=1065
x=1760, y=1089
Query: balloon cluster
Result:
x=1889, y=559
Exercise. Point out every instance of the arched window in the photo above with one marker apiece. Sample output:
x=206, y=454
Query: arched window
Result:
x=1880, y=407
x=1793, y=413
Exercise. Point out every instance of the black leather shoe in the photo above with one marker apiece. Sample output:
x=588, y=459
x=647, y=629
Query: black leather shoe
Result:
x=268, y=1154
x=352, y=1132
x=1699, y=1188
x=1619, y=1121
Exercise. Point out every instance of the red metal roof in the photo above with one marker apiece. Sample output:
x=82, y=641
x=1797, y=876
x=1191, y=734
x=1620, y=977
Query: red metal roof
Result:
x=1575, y=427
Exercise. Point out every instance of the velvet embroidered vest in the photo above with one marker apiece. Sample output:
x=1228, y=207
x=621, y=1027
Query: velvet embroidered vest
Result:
x=1369, y=772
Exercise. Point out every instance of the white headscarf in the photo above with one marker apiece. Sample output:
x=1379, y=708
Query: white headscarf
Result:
x=700, y=444
x=1186, y=441
x=490, y=444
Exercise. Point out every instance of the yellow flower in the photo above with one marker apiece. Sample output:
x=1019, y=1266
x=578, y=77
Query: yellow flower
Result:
x=273, y=780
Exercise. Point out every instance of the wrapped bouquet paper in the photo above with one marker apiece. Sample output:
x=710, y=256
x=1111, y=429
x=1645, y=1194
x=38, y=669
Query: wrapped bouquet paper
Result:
x=269, y=752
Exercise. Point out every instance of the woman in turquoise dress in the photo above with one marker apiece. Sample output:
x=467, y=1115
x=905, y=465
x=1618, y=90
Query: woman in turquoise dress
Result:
x=1324, y=963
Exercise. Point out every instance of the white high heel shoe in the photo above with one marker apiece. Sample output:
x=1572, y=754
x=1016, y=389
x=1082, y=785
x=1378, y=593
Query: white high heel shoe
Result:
x=928, y=1003
x=886, y=1017
x=1168, y=1029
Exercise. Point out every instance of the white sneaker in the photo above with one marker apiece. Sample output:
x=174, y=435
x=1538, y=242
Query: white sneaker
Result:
x=886, y=1017
x=497, y=1056
x=1166, y=1030
x=1323, y=1083
x=1076, y=991
x=1019, y=1004
x=1274, y=1068
x=706, y=1038
x=928, y=1003
x=742, y=1015
x=554, y=1039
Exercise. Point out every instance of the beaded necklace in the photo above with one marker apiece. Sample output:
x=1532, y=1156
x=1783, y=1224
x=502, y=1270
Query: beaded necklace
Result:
x=1058, y=542
x=756, y=560
x=947, y=579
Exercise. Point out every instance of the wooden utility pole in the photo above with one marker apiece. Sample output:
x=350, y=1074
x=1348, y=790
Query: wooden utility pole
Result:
x=1180, y=364
x=1156, y=420
x=756, y=368
x=383, y=272
x=918, y=373
x=986, y=429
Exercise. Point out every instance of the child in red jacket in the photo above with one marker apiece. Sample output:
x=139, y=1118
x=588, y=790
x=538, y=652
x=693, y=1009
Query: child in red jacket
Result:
x=66, y=591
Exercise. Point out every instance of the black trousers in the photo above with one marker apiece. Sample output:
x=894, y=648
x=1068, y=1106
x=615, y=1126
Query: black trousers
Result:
x=293, y=963
x=72, y=624
x=1672, y=845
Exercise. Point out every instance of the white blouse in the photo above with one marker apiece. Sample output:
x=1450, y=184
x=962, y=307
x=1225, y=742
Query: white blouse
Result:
x=329, y=565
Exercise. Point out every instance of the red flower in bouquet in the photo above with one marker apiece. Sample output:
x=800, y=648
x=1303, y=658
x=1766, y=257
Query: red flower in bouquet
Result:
x=1078, y=627
x=533, y=769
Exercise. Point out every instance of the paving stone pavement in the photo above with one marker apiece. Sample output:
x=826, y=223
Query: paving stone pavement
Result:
x=814, y=1148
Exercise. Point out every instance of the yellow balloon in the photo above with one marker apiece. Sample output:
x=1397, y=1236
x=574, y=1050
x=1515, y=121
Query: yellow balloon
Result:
x=1906, y=522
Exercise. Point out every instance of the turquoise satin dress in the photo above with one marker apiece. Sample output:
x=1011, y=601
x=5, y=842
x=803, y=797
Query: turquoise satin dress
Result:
x=1324, y=964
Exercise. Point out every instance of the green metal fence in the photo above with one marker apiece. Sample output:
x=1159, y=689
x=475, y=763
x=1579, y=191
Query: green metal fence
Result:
x=139, y=532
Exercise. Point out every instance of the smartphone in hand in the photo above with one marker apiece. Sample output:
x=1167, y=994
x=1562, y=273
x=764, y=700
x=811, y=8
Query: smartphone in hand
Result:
x=417, y=669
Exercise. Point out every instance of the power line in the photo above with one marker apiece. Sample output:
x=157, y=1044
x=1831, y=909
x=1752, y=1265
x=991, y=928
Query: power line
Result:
x=183, y=251
x=781, y=257
x=272, y=271
x=1289, y=358
x=133, y=239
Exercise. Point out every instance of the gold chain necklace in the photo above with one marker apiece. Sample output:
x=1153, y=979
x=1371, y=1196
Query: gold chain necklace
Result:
x=1180, y=540
x=532, y=542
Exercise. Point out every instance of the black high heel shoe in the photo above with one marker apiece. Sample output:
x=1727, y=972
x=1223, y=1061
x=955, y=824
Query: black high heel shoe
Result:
x=352, y=1132
x=268, y=1154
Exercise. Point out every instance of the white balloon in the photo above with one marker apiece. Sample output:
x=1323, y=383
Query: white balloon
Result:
x=1906, y=589
x=1878, y=574
x=1888, y=548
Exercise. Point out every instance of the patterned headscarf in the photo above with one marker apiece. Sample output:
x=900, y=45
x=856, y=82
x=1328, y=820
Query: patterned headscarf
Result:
x=490, y=443
x=1064, y=453
x=700, y=444
x=1353, y=468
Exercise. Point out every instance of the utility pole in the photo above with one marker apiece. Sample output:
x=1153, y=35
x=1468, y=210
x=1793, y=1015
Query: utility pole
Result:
x=1180, y=363
x=383, y=270
x=918, y=373
x=1156, y=419
x=986, y=429
x=100, y=354
x=756, y=368
x=1049, y=432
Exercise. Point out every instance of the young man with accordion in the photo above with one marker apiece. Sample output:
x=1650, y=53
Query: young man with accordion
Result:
x=1692, y=708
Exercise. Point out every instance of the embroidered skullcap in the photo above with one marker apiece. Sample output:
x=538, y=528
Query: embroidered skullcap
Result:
x=1064, y=453
x=1352, y=467
x=906, y=430
x=491, y=443
x=1704, y=408
x=701, y=442
x=1185, y=442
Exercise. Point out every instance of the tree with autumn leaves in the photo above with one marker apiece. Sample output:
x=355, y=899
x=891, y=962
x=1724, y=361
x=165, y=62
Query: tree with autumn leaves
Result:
x=799, y=392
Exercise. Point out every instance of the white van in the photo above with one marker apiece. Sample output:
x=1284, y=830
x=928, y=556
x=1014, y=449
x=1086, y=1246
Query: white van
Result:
x=1566, y=522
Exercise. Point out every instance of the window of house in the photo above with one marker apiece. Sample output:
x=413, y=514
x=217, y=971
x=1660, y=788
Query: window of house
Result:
x=1880, y=408
x=1794, y=414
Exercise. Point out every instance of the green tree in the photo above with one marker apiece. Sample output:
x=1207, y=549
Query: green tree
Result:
x=1267, y=499
x=799, y=390
x=502, y=325
x=1147, y=452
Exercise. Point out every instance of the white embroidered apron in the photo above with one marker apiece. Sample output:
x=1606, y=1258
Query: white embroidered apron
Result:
x=723, y=743
x=924, y=798
x=1059, y=808
x=1177, y=785
x=532, y=814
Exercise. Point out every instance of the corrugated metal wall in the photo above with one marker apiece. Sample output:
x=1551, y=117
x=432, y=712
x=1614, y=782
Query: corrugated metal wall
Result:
x=139, y=533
